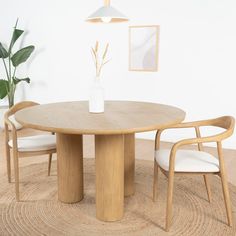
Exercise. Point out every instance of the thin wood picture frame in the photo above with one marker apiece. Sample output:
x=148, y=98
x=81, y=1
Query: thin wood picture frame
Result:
x=144, y=48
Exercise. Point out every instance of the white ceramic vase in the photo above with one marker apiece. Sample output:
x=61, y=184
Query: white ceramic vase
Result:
x=96, y=100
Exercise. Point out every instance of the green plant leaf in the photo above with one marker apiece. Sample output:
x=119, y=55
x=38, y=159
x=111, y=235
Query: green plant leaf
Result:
x=16, y=80
x=22, y=55
x=3, y=52
x=4, y=87
x=15, y=35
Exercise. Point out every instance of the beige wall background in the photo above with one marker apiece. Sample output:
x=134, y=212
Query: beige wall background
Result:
x=197, y=54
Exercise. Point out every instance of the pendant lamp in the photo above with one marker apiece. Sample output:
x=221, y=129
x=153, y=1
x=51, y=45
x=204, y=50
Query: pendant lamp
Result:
x=107, y=14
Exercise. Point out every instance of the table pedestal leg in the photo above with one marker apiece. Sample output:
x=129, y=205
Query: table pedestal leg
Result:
x=109, y=152
x=70, y=167
x=129, y=146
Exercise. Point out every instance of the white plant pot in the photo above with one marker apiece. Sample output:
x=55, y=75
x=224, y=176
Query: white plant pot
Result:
x=96, y=100
x=3, y=109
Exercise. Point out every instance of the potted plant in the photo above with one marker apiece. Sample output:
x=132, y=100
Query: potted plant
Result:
x=11, y=61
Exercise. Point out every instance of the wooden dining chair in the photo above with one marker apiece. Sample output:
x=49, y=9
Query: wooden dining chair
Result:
x=24, y=146
x=179, y=161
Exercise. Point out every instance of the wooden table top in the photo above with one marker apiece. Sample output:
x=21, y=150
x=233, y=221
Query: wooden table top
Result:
x=120, y=117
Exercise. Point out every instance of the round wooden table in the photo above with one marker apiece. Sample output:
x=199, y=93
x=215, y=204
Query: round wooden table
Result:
x=114, y=145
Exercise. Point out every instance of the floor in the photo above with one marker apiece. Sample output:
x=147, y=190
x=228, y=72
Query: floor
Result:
x=144, y=150
x=12, y=220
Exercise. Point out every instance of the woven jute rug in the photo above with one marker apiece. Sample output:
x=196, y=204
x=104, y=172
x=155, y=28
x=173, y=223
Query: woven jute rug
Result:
x=40, y=213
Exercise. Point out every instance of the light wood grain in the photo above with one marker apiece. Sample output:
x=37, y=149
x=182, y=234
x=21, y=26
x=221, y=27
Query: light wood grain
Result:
x=143, y=151
x=129, y=155
x=155, y=181
x=169, y=199
x=208, y=189
x=205, y=177
x=70, y=167
x=225, y=187
x=109, y=154
x=49, y=164
x=120, y=117
x=225, y=122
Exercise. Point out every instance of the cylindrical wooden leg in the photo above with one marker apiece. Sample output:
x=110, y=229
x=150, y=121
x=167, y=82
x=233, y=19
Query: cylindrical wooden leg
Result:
x=70, y=167
x=109, y=152
x=129, y=146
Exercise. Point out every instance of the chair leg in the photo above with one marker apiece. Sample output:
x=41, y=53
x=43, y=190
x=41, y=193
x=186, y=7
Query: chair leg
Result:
x=155, y=181
x=16, y=172
x=49, y=164
x=169, y=200
x=207, y=184
x=225, y=187
x=8, y=161
x=227, y=199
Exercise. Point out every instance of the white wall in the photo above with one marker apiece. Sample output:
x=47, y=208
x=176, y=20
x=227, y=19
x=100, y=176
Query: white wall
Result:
x=197, y=53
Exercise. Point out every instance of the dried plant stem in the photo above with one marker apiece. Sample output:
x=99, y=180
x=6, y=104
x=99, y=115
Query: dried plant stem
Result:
x=99, y=65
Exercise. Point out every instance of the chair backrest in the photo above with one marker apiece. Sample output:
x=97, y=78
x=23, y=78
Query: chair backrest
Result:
x=225, y=122
x=13, y=110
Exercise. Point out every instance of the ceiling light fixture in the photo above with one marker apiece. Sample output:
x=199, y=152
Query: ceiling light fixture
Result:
x=107, y=14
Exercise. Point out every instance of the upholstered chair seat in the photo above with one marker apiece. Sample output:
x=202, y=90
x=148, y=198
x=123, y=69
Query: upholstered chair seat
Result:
x=35, y=143
x=188, y=161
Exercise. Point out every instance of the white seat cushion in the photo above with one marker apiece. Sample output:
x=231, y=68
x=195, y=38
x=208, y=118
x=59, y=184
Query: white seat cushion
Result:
x=35, y=143
x=188, y=161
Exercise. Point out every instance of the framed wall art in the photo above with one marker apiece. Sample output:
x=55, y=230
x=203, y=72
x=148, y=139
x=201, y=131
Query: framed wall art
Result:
x=143, y=47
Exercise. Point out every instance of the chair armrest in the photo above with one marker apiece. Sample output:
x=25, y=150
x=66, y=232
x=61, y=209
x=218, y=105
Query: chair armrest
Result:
x=192, y=124
x=196, y=125
x=181, y=125
x=225, y=122
x=207, y=139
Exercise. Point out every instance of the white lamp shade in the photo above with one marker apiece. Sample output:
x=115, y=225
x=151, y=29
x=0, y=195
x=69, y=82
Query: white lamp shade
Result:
x=107, y=12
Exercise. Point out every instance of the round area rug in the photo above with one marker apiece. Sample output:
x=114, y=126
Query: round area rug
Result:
x=40, y=213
